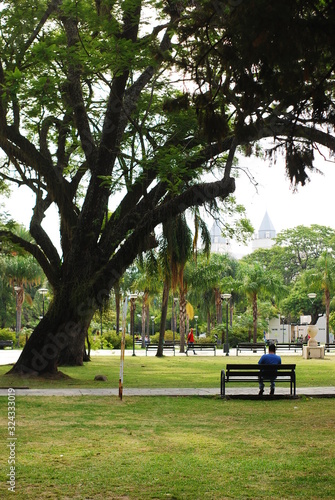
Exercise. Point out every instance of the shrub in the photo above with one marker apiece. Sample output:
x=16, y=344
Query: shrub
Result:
x=235, y=335
x=7, y=334
x=108, y=340
x=154, y=339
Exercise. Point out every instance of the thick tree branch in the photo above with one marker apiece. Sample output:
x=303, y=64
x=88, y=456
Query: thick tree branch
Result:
x=109, y=144
x=3, y=100
x=53, y=5
x=194, y=196
x=38, y=233
x=76, y=94
x=49, y=269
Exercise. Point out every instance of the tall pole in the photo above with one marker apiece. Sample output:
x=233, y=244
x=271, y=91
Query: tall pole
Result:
x=227, y=343
x=17, y=290
x=226, y=297
x=123, y=343
x=43, y=292
x=132, y=318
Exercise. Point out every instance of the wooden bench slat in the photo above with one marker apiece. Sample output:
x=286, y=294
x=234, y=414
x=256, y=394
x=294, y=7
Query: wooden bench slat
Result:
x=250, y=346
x=256, y=374
x=6, y=343
x=255, y=366
x=200, y=347
x=151, y=347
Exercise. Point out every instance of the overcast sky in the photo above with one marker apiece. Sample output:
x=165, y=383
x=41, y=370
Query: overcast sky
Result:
x=312, y=204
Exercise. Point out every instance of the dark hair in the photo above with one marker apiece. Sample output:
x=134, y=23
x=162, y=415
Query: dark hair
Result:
x=272, y=348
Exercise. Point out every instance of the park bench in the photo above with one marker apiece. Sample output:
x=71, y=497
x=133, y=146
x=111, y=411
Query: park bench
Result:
x=176, y=343
x=250, y=346
x=289, y=346
x=154, y=347
x=202, y=347
x=252, y=372
x=6, y=343
x=330, y=346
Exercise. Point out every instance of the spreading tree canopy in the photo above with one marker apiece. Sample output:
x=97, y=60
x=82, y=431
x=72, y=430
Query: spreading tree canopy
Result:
x=115, y=112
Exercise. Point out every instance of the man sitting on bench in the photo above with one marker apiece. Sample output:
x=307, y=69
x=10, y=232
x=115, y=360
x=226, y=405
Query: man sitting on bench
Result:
x=269, y=359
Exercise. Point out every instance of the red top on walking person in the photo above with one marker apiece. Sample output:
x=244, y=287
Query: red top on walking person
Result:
x=190, y=337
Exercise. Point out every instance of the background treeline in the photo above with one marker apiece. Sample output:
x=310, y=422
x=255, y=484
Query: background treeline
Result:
x=263, y=284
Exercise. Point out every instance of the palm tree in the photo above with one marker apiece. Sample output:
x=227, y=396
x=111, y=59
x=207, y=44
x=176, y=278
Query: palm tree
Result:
x=255, y=280
x=322, y=277
x=147, y=282
x=21, y=271
x=212, y=276
x=177, y=248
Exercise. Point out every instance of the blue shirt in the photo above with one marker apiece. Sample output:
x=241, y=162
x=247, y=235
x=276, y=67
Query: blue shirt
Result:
x=270, y=359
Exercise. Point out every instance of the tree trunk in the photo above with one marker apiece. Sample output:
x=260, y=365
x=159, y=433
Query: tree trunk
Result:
x=87, y=354
x=59, y=338
x=327, y=302
x=147, y=330
x=144, y=317
x=231, y=313
x=117, y=307
x=254, y=316
x=182, y=318
x=218, y=306
x=165, y=303
x=208, y=322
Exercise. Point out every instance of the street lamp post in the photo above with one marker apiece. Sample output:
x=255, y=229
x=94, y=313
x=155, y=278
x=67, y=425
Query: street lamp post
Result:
x=132, y=298
x=312, y=297
x=196, y=326
x=226, y=297
x=43, y=291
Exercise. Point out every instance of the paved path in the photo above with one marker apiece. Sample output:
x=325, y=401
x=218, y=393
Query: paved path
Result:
x=245, y=391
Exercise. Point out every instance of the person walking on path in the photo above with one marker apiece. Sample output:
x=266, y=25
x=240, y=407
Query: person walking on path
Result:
x=269, y=359
x=190, y=342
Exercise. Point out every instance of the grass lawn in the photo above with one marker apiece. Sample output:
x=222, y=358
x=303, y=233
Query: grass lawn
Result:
x=170, y=448
x=170, y=371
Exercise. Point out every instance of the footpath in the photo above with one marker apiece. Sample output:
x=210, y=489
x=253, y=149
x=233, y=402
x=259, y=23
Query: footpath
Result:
x=10, y=356
x=230, y=392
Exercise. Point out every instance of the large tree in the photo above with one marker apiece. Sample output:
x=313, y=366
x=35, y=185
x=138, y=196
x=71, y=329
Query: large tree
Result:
x=302, y=246
x=295, y=250
x=90, y=115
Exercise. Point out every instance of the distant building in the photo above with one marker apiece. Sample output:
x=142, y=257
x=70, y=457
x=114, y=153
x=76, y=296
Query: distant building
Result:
x=293, y=333
x=265, y=235
x=219, y=244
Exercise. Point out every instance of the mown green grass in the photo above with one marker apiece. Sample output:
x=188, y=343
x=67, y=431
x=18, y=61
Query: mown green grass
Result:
x=171, y=448
x=169, y=371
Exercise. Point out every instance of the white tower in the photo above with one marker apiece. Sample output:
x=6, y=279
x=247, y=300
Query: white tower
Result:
x=266, y=234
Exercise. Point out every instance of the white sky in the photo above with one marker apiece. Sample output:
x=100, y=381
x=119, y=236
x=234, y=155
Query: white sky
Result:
x=312, y=204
